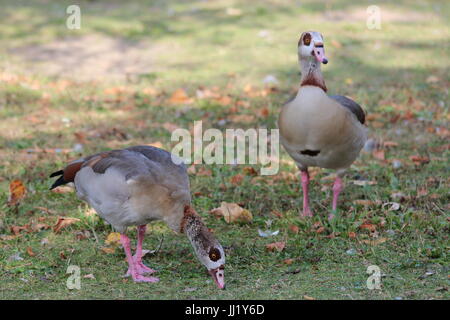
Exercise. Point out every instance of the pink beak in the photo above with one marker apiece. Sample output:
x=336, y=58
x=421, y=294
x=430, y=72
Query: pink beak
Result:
x=319, y=53
x=219, y=277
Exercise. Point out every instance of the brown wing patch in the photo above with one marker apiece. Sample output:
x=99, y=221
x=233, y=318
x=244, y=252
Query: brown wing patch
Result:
x=71, y=170
x=93, y=161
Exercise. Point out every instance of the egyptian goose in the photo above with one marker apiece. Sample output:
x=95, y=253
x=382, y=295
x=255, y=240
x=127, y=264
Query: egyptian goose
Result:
x=133, y=186
x=318, y=130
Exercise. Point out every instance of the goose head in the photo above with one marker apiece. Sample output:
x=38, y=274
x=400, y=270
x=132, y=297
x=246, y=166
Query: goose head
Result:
x=311, y=47
x=206, y=247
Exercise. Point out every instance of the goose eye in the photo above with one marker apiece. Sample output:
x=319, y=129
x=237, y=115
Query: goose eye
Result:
x=307, y=39
x=214, y=254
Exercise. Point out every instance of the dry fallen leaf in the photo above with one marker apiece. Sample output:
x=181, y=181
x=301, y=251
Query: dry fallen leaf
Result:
x=113, y=239
x=288, y=261
x=232, y=212
x=237, y=179
x=180, y=97
x=375, y=242
x=204, y=172
x=276, y=246
x=63, y=189
x=368, y=226
x=63, y=222
x=419, y=160
x=308, y=297
x=30, y=252
x=36, y=227
x=249, y=171
x=351, y=235
x=294, y=228
x=368, y=202
x=17, y=192
x=17, y=229
x=379, y=154
x=89, y=276
x=108, y=250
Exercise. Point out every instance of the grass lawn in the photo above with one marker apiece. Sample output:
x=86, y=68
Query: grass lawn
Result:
x=63, y=95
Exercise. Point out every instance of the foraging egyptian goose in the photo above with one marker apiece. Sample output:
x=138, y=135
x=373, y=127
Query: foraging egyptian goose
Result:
x=318, y=130
x=133, y=186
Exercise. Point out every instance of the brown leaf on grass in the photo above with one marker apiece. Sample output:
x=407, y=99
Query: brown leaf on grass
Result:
x=108, y=250
x=368, y=203
x=242, y=118
x=237, y=179
x=294, y=229
x=36, y=227
x=320, y=230
x=277, y=213
x=113, y=239
x=390, y=144
x=224, y=100
x=17, y=229
x=276, y=246
x=62, y=255
x=368, y=226
x=418, y=160
x=203, y=171
x=308, y=297
x=30, y=252
x=264, y=112
x=249, y=171
x=180, y=97
x=288, y=261
x=17, y=192
x=80, y=137
x=379, y=154
x=63, y=222
x=232, y=212
x=352, y=235
x=63, y=189
x=150, y=91
x=375, y=242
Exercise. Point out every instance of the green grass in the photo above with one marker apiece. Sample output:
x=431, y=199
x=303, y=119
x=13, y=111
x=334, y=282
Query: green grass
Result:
x=196, y=44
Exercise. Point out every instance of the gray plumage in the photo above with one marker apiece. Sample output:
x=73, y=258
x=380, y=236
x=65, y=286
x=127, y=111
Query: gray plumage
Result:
x=133, y=186
x=352, y=106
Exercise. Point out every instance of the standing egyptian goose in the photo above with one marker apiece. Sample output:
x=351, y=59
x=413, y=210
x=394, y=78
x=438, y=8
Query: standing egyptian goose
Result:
x=318, y=130
x=133, y=186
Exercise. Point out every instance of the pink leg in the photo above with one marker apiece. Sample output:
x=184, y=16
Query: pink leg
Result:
x=305, y=182
x=142, y=268
x=338, y=186
x=137, y=258
x=134, y=274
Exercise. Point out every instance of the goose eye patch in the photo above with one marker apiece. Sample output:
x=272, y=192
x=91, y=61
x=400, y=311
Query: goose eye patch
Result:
x=307, y=39
x=214, y=254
